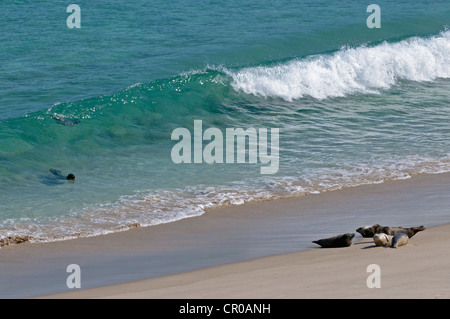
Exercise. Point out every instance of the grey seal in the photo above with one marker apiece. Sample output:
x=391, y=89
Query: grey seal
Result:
x=57, y=173
x=61, y=119
x=410, y=231
x=400, y=239
x=382, y=239
x=344, y=240
x=370, y=231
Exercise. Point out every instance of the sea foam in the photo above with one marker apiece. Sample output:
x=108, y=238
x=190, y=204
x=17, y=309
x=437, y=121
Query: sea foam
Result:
x=364, y=69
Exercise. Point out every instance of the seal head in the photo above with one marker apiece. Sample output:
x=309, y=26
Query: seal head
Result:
x=369, y=231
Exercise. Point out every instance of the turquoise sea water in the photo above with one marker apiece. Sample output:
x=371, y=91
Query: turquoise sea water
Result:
x=353, y=105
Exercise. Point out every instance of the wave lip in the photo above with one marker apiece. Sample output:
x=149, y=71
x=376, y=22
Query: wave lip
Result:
x=350, y=70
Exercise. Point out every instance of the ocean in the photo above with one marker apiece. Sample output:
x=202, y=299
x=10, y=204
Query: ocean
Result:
x=352, y=105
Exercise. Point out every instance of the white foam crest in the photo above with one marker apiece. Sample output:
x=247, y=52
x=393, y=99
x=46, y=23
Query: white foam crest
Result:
x=350, y=70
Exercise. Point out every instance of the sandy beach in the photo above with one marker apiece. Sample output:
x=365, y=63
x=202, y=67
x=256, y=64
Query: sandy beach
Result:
x=418, y=270
x=255, y=250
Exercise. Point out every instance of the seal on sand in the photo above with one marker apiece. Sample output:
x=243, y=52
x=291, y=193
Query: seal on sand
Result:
x=400, y=239
x=411, y=231
x=369, y=231
x=382, y=239
x=344, y=240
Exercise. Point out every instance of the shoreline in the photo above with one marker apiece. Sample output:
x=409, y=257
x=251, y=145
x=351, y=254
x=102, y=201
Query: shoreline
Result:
x=15, y=240
x=260, y=234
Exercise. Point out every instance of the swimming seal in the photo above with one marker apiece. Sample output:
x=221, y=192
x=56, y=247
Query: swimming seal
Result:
x=344, y=240
x=58, y=174
x=400, y=239
x=61, y=119
x=370, y=231
x=382, y=239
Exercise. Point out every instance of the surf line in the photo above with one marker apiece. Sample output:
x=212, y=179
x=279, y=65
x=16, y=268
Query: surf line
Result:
x=237, y=150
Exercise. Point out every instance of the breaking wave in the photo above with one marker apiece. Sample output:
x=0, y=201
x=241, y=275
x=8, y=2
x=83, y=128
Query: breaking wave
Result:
x=364, y=69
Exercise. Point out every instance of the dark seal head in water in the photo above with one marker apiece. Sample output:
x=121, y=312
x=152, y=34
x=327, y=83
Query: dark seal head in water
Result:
x=57, y=173
x=344, y=240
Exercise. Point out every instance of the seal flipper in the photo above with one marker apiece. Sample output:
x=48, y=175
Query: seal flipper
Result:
x=56, y=172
